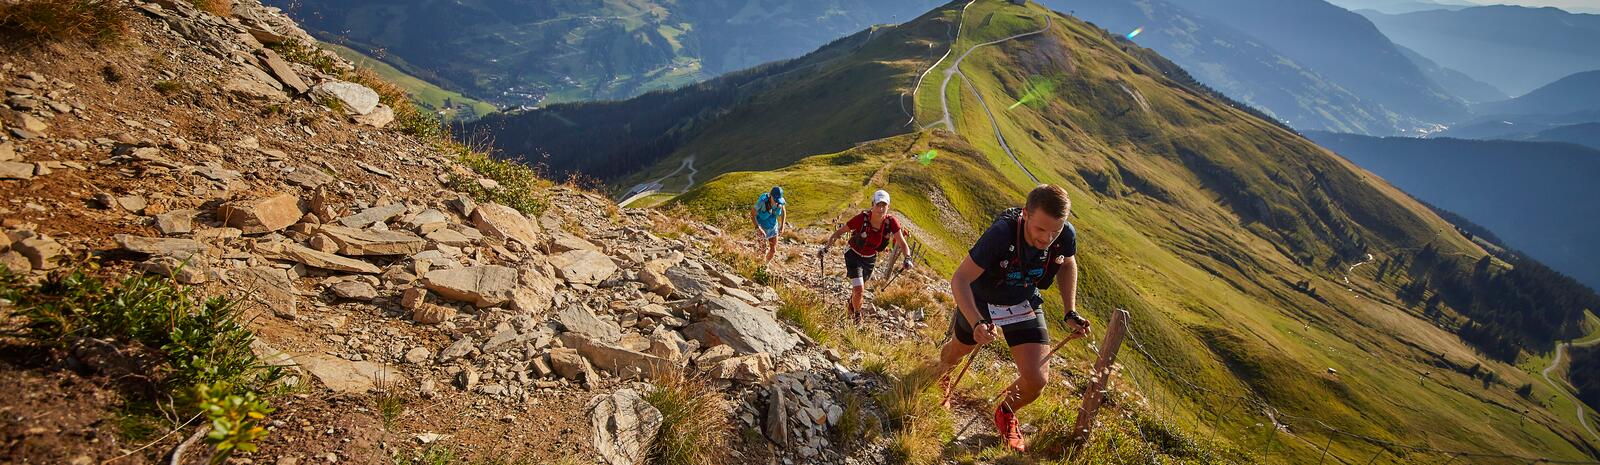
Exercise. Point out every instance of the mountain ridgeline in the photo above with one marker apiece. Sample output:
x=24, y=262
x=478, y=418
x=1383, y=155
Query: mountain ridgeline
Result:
x=1514, y=48
x=524, y=53
x=1236, y=243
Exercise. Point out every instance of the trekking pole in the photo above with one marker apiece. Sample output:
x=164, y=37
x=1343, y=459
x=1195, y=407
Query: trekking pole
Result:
x=1045, y=361
x=951, y=389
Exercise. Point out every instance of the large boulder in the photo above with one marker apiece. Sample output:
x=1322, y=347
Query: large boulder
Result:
x=624, y=426
x=356, y=98
x=352, y=241
x=482, y=286
x=618, y=360
x=570, y=365
x=577, y=319
x=346, y=377
x=584, y=266
x=327, y=261
x=506, y=223
x=261, y=215
x=748, y=330
x=688, y=282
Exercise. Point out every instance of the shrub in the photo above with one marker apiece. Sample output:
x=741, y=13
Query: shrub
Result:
x=520, y=185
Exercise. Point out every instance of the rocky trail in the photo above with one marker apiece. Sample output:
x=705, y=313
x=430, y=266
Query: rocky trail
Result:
x=375, y=265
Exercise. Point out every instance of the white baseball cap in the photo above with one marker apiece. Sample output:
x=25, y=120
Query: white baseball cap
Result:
x=880, y=196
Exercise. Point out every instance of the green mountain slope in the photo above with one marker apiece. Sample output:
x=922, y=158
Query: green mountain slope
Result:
x=1202, y=220
x=761, y=118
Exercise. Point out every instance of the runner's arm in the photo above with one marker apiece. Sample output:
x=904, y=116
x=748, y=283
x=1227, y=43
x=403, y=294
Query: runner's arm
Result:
x=1067, y=283
x=836, y=233
x=961, y=290
x=901, y=247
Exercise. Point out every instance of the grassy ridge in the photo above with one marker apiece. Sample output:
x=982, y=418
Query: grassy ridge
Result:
x=1198, y=219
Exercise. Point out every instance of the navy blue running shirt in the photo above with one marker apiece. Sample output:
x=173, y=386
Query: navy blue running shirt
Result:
x=1012, y=284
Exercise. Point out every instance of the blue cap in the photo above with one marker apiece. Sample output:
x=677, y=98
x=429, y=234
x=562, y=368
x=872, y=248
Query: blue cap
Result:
x=777, y=195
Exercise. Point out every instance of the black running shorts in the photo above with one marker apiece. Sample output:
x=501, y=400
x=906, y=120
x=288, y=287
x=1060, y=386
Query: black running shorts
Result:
x=1026, y=332
x=857, y=266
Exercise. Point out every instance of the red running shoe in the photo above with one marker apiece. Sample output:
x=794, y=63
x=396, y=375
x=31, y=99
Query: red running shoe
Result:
x=1005, y=422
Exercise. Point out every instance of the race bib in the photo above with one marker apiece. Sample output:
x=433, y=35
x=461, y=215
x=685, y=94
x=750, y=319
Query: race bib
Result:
x=1003, y=315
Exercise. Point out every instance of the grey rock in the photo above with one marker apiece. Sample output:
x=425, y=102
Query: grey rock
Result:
x=177, y=248
x=175, y=222
x=482, y=286
x=746, y=329
x=356, y=98
x=583, y=266
x=578, y=319
x=352, y=241
x=373, y=215
x=567, y=363
x=355, y=290
x=318, y=259
x=16, y=170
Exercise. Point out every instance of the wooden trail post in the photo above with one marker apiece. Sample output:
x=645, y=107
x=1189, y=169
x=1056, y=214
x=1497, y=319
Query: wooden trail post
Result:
x=1096, y=393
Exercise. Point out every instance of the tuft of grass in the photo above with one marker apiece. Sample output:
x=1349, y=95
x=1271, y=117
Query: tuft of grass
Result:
x=37, y=21
x=308, y=55
x=905, y=295
x=521, y=187
x=694, y=422
x=390, y=405
x=856, y=426
x=910, y=447
x=168, y=87
x=803, y=308
x=222, y=8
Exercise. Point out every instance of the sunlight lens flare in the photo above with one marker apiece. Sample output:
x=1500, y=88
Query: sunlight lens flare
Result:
x=1135, y=33
x=927, y=157
x=1038, y=90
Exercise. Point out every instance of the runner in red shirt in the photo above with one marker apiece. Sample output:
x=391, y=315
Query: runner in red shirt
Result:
x=870, y=233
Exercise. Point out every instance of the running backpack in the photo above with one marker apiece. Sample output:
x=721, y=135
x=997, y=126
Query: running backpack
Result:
x=1013, y=215
x=858, y=238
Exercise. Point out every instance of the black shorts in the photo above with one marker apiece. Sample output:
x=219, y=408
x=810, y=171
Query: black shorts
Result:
x=857, y=266
x=1027, y=332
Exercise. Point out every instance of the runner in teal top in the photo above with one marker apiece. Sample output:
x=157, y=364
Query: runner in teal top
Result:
x=768, y=216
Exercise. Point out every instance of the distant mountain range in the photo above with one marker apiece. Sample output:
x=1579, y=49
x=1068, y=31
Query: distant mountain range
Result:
x=1537, y=196
x=1516, y=49
x=1306, y=62
x=1243, y=67
x=1341, y=45
x=1401, y=6
x=1565, y=110
x=526, y=52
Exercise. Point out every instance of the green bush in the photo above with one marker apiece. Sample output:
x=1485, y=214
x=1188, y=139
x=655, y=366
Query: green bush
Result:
x=521, y=187
x=206, y=349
